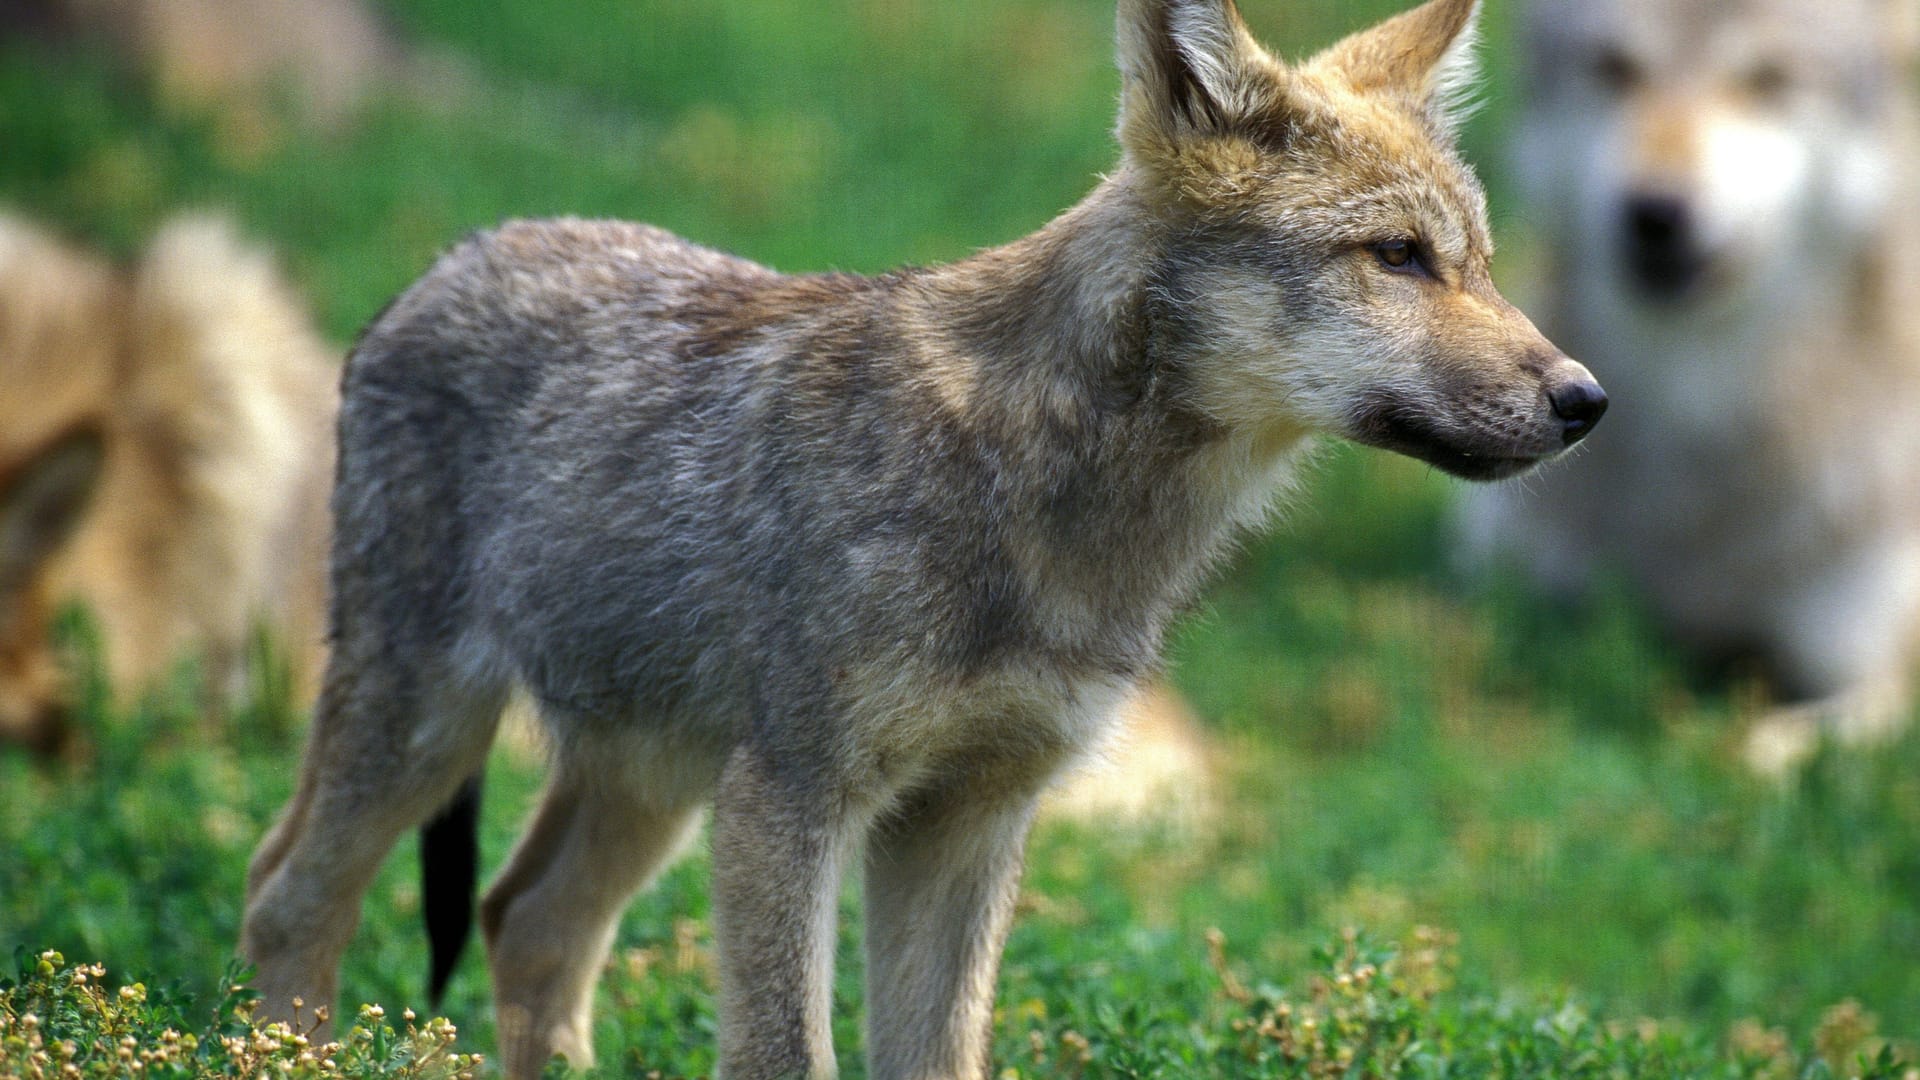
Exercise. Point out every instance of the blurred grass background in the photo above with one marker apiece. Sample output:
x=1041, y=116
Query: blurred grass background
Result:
x=1551, y=786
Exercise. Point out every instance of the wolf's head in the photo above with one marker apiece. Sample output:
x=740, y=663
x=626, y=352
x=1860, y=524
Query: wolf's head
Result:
x=1699, y=154
x=1327, y=251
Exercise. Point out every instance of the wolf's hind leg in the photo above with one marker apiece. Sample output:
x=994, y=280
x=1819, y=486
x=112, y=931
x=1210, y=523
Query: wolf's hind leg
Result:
x=389, y=745
x=942, y=877
x=599, y=836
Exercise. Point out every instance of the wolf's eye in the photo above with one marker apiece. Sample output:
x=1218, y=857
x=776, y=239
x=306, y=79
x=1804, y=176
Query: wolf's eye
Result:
x=1397, y=254
x=1616, y=71
x=1769, y=80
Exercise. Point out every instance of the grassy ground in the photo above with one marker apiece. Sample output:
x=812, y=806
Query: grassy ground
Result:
x=1537, y=810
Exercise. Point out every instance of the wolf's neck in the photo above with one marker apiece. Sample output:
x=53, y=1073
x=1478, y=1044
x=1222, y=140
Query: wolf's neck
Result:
x=1056, y=356
x=1054, y=321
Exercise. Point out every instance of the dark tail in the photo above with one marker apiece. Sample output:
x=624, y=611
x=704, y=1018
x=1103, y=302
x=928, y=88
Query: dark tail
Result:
x=449, y=870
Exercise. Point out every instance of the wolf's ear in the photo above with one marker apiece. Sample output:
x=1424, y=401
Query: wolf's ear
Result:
x=1187, y=67
x=1903, y=30
x=43, y=501
x=1425, y=57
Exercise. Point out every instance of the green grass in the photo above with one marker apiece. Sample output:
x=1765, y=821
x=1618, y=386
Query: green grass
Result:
x=1537, y=812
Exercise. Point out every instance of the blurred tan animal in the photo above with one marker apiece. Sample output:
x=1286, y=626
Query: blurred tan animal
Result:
x=165, y=451
x=1729, y=196
x=329, y=54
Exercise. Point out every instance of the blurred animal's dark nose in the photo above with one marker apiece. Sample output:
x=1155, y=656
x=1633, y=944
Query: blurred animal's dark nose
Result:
x=1579, y=404
x=39, y=727
x=1661, y=244
x=1658, y=222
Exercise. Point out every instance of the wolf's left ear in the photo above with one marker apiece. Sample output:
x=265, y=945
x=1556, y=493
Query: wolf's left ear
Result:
x=1425, y=57
x=42, y=503
x=1188, y=68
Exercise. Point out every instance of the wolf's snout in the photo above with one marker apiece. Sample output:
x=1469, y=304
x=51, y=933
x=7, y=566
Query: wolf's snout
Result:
x=1579, y=403
x=1660, y=240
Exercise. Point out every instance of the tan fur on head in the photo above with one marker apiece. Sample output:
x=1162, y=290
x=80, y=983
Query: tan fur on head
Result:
x=1188, y=68
x=1424, y=58
x=1206, y=108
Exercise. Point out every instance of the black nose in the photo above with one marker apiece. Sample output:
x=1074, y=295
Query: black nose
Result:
x=1579, y=404
x=46, y=730
x=1661, y=245
x=1658, y=221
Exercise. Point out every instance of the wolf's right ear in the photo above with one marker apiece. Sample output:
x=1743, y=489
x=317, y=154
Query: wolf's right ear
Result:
x=1188, y=68
x=42, y=502
x=1903, y=30
x=1425, y=57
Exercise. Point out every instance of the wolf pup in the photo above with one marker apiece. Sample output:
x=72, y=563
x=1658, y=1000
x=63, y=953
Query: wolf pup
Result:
x=1730, y=196
x=864, y=561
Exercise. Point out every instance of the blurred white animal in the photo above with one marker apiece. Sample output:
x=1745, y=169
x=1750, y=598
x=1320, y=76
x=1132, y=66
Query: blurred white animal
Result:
x=1729, y=199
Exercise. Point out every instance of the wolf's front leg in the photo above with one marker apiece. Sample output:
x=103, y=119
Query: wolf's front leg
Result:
x=780, y=838
x=942, y=877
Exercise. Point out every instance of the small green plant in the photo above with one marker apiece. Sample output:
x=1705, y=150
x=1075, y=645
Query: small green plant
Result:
x=1363, y=1015
x=1372, y=1010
